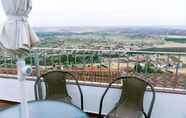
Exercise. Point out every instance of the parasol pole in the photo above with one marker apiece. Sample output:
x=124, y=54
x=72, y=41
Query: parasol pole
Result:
x=23, y=70
x=17, y=36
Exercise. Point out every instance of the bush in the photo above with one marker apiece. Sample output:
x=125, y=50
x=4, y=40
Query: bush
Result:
x=148, y=68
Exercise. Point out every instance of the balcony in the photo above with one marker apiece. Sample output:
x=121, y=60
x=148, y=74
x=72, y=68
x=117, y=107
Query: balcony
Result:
x=96, y=68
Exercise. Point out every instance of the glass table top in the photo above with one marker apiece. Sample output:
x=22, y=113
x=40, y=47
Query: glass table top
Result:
x=45, y=109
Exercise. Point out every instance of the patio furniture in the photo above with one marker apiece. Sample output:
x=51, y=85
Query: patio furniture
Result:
x=55, y=86
x=2, y=108
x=46, y=109
x=130, y=104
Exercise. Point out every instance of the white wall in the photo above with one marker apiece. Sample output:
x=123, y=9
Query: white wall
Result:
x=166, y=105
x=9, y=90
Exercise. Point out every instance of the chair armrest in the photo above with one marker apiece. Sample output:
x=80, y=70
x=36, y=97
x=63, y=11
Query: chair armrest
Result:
x=152, y=101
x=79, y=88
x=102, y=98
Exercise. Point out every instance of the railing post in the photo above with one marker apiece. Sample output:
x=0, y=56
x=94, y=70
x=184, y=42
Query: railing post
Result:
x=52, y=60
x=92, y=60
x=11, y=60
x=178, y=66
x=84, y=56
x=75, y=59
x=68, y=62
x=110, y=56
x=45, y=59
x=5, y=64
x=59, y=59
x=146, y=65
x=37, y=74
x=157, y=62
x=168, y=63
x=184, y=84
x=127, y=64
x=31, y=63
x=118, y=65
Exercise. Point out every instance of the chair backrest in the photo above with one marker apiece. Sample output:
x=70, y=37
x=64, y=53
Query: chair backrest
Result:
x=55, y=86
x=55, y=83
x=133, y=90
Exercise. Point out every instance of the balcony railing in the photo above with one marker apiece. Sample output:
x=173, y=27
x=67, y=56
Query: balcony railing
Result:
x=164, y=69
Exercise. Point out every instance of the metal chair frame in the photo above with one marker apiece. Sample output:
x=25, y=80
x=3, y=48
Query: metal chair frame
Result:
x=38, y=88
x=147, y=115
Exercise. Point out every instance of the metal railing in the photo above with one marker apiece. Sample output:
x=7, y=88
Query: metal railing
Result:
x=101, y=66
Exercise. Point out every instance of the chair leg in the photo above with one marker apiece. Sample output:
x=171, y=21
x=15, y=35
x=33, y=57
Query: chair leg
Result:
x=145, y=114
x=102, y=116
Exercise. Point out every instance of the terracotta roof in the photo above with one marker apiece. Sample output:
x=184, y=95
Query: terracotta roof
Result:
x=167, y=80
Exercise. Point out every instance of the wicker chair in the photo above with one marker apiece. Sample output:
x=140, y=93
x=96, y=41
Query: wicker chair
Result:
x=130, y=104
x=55, y=86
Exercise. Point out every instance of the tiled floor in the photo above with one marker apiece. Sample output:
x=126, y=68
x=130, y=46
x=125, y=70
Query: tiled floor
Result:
x=92, y=115
x=4, y=104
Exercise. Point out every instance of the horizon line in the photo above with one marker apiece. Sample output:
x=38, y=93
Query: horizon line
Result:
x=114, y=26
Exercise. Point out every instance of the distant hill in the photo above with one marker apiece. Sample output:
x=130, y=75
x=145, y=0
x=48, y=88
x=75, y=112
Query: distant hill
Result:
x=175, y=38
x=178, y=49
x=134, y=31
x=105, y=37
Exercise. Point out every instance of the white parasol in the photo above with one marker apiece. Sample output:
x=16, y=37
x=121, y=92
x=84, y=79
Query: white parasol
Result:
x=17, y=37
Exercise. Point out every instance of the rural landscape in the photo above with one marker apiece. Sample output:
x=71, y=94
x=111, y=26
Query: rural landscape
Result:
x=115, y=38
x=92, y=59
x=99, y=54
x=102, y=51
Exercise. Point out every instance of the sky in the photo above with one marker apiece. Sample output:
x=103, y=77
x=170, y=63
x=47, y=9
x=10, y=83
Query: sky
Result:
x=52, y=13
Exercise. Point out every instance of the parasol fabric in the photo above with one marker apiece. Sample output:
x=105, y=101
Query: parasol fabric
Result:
x=16, y=34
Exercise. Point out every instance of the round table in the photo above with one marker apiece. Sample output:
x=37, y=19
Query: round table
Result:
x=45, y=109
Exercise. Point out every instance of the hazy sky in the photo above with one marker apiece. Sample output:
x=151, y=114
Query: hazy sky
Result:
x=106, y=12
